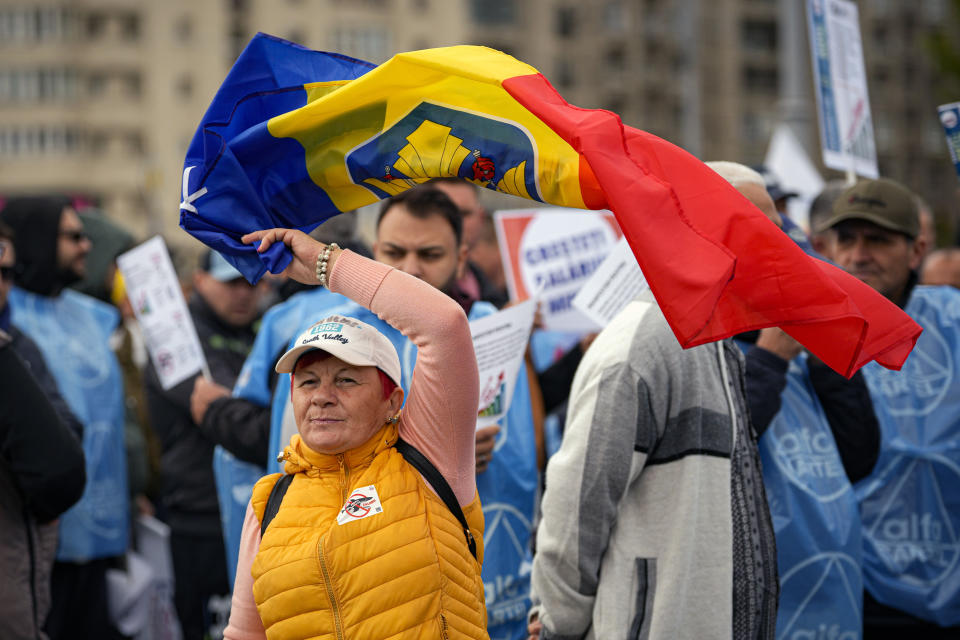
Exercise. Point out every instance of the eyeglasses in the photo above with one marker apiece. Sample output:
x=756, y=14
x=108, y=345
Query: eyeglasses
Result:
x=76, y=236
x=6, y=273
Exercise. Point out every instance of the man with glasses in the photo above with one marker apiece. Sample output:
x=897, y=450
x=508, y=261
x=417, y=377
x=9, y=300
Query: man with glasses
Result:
x=72, y=332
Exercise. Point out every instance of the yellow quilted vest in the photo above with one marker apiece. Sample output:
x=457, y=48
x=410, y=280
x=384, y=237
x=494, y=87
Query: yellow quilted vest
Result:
x=396, y=566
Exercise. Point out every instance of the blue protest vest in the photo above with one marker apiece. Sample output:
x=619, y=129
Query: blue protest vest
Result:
x=508, y=493
x=72, y=331
x=910, y=504
x=815, y=518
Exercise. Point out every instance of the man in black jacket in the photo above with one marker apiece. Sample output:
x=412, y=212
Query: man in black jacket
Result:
x=224, y=308
x=41, y=476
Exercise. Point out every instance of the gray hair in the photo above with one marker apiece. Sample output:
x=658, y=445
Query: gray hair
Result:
x=736, y=173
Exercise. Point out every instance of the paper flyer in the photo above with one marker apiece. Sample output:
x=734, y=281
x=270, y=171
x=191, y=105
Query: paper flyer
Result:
x=500, y=341
x=158, y=303
x=616, y=282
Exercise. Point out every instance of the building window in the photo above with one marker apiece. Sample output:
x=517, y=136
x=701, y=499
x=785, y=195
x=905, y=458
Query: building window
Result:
x=615, y=16
x=133, y=84
x=184, y=86
x=366, y=43
x=616, y=58
x=565, y=77
x=183, y=29
x=566, y=21
x=759, y=35
x=298, y=36
x=96, y=84
x=130, y=27
x=756, y=80
x=493, y=12
x=95, y=25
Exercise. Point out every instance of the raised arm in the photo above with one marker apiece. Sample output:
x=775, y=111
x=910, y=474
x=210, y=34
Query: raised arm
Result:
x=439, y=417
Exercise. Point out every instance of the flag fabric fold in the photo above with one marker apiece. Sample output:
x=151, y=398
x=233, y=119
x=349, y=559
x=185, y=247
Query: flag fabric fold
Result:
x=295, y=136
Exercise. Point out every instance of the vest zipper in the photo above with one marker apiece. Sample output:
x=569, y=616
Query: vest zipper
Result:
x=334, y=605
x=344, y=473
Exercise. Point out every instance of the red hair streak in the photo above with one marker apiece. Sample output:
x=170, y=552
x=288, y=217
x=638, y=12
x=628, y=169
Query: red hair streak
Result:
x=318, y=355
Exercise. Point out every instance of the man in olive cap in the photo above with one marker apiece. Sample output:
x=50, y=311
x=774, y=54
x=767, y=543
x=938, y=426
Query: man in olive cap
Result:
x=910, y=504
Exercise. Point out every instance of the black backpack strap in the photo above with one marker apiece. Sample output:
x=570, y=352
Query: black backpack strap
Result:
x=273, y=502
x=439, y=484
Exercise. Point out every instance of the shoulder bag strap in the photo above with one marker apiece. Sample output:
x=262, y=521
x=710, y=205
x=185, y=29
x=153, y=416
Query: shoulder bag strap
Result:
x=273, y=502
x=439, y=484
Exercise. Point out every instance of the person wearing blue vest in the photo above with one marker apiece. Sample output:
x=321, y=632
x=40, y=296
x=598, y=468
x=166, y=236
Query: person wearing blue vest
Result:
x=418, y=232
x=816, y=434
x=72, y=331
x=910, y=503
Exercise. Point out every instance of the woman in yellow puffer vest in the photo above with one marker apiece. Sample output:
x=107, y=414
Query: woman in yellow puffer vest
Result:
x=362, y=546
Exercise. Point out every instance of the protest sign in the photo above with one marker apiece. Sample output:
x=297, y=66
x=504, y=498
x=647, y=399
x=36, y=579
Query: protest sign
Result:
x=157, y=301
x=554, y=252
x=840, y=82
x=500, y=341
x=616, y=282
x=950, y=119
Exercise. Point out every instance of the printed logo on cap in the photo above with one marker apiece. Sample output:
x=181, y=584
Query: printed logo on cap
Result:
x=918, y=388
x=824, y=571
x=332, y=327
x=921, y=544
x=362, y=503
x=506, y=593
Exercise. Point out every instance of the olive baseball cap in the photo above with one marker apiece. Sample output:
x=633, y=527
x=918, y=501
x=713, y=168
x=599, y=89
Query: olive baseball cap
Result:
x=884, y=202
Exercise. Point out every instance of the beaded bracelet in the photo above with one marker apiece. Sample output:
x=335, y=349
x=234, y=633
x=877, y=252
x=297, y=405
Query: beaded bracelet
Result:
x=322, y=263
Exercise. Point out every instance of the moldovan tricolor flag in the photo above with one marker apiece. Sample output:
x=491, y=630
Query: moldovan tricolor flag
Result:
x=295, y=136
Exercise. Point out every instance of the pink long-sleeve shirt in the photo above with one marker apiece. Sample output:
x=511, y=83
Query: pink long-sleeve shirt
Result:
x=439, y=416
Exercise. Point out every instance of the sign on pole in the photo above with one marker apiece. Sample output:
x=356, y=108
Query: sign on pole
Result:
x=553, y=252
x=157, y=301
x=950, y=119
x=840, y=82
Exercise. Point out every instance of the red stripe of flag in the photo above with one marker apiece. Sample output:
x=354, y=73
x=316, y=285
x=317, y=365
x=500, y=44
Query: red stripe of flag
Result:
x=716, y=265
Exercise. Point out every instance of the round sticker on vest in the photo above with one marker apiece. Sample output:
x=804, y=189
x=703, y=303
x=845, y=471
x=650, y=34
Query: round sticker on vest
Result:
x=362, y=503
x=907, y=523
x=921, y=384
x=829, y=575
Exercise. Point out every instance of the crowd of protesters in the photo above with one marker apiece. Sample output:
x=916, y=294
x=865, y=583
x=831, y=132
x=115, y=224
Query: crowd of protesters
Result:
x=736, y=489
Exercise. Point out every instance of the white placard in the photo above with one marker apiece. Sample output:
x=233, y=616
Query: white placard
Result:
x=612, y=286
x=553, y=252
x=500, y=342
x=157, y=301
x=840, y=82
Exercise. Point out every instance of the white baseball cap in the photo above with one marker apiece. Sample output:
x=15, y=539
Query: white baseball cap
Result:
x=349, y=339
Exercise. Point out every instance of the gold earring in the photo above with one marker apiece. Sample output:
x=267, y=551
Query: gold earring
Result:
x=393, y=420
